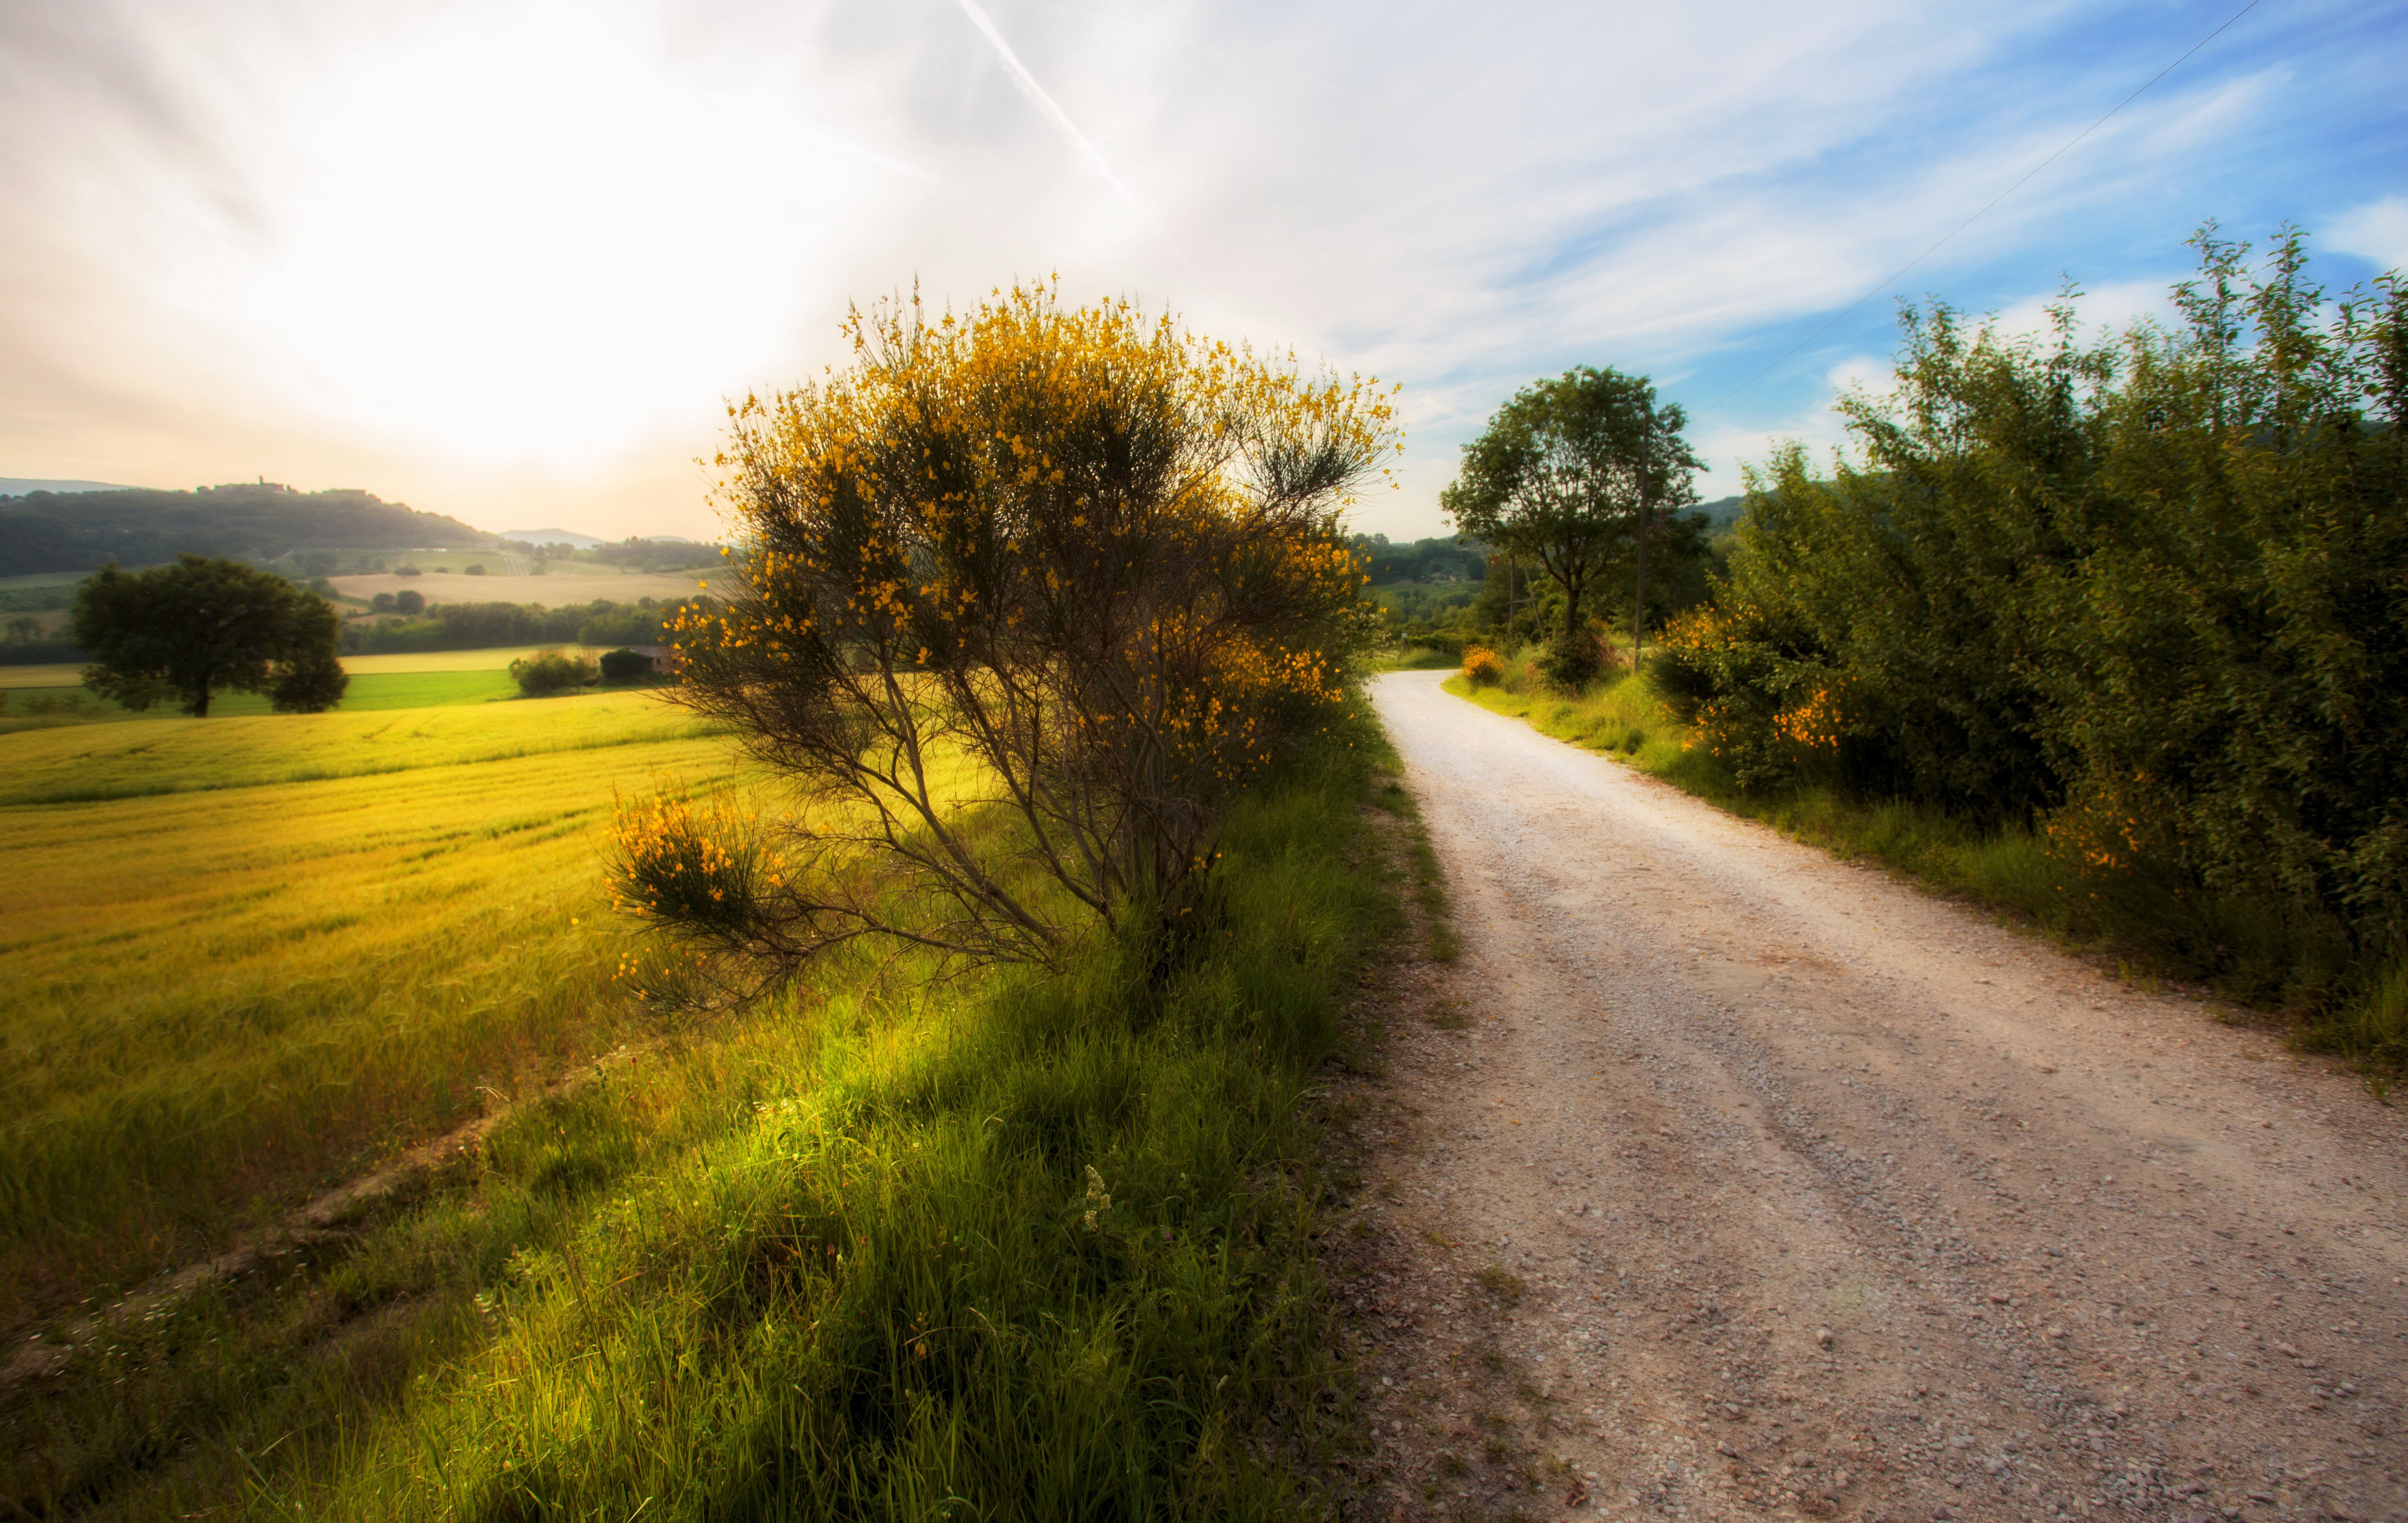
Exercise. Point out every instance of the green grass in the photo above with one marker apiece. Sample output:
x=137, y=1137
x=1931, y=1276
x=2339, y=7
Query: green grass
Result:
x=830, y=1259
x=2155, y=930
x=82, y=765
x=1416, y=658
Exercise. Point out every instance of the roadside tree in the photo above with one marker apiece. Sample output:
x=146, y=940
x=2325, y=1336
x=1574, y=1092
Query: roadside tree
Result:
x=1022, y=600
x=1580, y=474
x=203, y=626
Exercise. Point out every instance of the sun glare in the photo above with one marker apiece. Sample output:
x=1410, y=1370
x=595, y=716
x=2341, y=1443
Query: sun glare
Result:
x=531, y=242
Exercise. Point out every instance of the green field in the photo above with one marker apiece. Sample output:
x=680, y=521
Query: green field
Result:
x=379, y=683
x=244, y=952
x=828, y=1258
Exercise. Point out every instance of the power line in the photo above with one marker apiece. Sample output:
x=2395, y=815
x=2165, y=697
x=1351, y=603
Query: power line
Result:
x=1993, y=202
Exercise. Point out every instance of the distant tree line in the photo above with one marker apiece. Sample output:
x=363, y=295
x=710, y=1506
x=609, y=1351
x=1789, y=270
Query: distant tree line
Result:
x=1445, y=559
x=468, y=627
x=635, y=553
x=639, y=555
x=24, y=643
x=80, y=531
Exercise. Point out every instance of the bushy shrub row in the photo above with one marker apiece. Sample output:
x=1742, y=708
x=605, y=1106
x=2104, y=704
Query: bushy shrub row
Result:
x=2146, y=595
x=547, y=672
x=467, y=627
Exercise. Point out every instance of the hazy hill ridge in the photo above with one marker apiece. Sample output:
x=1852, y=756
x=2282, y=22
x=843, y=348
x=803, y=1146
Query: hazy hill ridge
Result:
x=18, y=486
x=570, y=537
x=57, y=531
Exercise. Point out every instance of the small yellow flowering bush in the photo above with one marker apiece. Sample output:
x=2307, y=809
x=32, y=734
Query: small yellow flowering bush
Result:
x=1483, y=666
x=1771, y=720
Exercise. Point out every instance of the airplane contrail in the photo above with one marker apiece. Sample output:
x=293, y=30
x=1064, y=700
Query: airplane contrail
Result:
x=1045, y=103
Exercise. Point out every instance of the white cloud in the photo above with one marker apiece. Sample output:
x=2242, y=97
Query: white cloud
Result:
x=2377, y=231
x=2101, y=312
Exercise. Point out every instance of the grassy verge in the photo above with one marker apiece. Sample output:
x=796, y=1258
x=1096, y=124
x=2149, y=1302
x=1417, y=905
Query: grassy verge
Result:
x=1416, y=658
x=2306, y=972
x=1007, y=1247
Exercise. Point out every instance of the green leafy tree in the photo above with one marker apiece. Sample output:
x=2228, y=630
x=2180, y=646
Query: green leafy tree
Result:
x=1579, y=473
x=625, y=665
x=311, y=679
x=547, y=672
x=203, y=626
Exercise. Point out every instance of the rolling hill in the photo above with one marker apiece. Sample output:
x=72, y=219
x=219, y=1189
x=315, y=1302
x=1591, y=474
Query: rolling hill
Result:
x=78, y=531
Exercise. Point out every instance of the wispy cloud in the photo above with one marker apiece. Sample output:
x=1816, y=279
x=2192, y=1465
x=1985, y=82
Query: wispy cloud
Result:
x=2377, y=231
x=503, y=258
x=1045, y=103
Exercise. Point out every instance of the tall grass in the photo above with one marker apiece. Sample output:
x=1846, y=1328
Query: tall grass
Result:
x=1006, y=1247
x=2249, y=950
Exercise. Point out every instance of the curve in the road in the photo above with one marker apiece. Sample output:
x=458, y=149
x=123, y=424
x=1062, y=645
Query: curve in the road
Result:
x=1833, y=1194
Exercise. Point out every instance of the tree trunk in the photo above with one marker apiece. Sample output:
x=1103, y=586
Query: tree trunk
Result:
x=1571, y=611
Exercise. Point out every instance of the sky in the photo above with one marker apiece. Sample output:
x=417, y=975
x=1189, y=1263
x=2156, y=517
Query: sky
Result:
x=508, y=260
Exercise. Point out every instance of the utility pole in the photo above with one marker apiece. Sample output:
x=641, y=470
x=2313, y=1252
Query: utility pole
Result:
x=1638, y=598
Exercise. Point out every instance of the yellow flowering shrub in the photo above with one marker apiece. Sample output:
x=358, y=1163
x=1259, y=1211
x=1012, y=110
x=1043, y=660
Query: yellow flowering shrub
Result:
x=1770, y=720
x=1483, y=666
x=1077, y=572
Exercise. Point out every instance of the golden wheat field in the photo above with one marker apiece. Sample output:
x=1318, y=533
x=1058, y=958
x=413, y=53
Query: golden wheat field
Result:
x=248, y=955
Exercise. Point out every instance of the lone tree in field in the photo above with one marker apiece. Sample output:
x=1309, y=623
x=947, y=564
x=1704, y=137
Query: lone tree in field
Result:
x=1579, y=473
x=203, y=626
x=1022, y=602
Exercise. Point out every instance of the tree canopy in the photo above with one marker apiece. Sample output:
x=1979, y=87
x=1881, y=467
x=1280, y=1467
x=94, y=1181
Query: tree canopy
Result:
x=1563, y=471
x=203, y=626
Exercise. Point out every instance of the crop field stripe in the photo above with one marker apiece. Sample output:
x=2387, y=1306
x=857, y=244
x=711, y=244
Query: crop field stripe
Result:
x=87, y=764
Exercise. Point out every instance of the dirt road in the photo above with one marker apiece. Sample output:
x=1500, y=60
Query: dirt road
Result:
x=1721, y=1179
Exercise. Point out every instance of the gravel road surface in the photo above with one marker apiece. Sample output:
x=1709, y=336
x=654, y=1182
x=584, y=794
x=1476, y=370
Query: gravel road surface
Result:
x=1721, y=1179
